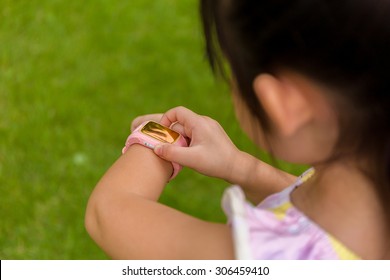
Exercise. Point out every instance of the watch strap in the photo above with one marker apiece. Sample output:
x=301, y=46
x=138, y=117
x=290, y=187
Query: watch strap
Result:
x=137, y=137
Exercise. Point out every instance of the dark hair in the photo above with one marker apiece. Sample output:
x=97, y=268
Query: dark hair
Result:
x=343, y=45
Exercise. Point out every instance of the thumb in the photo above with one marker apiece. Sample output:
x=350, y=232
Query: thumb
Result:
x=172, y=153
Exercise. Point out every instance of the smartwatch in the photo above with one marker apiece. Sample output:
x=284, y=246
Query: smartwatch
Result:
x=151, y=134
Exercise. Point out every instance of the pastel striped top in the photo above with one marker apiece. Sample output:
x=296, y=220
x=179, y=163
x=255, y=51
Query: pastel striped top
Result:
x=276, y=230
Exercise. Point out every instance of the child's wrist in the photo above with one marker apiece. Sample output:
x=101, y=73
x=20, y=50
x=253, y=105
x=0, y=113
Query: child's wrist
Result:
x=151, y=134
x=238, y=172
x=149, y=164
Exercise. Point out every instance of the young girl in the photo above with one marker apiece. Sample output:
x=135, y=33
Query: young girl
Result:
x=310, y=81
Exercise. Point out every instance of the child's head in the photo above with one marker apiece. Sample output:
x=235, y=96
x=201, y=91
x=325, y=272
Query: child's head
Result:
x=341, y=47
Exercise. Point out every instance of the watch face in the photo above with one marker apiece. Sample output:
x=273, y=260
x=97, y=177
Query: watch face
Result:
x=159, y=132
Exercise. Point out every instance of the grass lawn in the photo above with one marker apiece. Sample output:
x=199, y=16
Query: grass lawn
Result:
x=73, y=74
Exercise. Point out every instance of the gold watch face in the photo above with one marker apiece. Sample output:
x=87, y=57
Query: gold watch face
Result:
x=159, y=132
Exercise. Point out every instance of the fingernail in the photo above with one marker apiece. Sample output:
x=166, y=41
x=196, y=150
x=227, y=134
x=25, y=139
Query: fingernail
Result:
x=157, y=149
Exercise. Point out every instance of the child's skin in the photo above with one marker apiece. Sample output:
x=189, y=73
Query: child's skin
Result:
x=125, y=219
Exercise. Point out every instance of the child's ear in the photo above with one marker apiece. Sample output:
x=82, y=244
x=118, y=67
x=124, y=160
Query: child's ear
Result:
x=285, y=103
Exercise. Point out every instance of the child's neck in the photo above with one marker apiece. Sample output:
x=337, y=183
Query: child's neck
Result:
x=346, y=204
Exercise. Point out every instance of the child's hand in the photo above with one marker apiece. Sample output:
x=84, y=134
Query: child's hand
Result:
x=210, y=151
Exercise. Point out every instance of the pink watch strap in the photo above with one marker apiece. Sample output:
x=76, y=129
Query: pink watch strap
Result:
x=137, y=137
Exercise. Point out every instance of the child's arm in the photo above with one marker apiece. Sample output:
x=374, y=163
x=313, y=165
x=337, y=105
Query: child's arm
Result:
x=125, y=220
x=257, y=178
x=212, y=153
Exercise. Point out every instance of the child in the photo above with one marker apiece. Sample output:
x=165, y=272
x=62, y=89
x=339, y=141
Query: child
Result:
x=311, y=85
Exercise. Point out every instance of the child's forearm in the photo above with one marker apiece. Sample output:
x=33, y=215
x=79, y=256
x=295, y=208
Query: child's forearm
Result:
x=257, y=178
x=137, y=176
x=126, y=221
x=138, y=171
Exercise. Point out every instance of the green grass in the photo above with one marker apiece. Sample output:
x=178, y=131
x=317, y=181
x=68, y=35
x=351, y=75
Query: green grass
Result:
x=73, y=74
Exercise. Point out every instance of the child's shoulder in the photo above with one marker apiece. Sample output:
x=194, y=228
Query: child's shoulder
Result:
x=283, y=197
x=275, y=229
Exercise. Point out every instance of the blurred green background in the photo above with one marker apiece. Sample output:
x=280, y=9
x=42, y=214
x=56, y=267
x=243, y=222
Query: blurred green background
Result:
x=73, y=74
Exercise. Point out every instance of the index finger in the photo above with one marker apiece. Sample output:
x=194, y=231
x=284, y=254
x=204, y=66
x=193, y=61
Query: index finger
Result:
x=183, y=116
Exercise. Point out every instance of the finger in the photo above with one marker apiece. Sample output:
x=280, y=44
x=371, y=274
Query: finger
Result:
x=180, y=155
x=183, y=116
x=178, y=128
x=150, y=117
